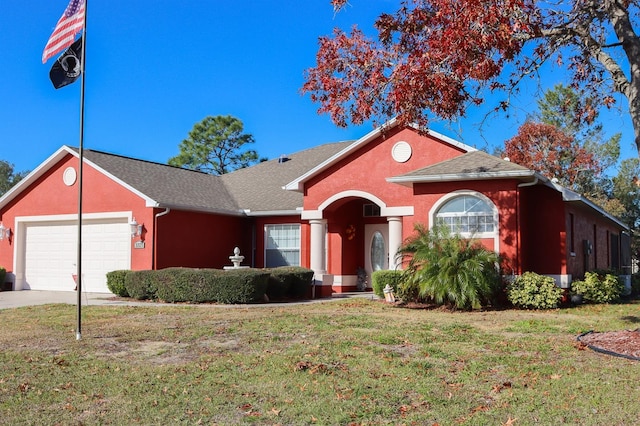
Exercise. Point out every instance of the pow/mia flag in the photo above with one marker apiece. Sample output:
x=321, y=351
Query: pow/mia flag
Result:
x=67, y=68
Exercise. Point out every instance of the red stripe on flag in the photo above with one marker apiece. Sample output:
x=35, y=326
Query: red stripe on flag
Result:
x=70, y=23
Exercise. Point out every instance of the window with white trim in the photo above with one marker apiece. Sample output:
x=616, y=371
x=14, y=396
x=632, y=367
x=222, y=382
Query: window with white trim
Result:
x=467, y=214
x=282, y=245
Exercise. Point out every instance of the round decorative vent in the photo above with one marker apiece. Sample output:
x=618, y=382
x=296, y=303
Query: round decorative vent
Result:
x=69, y=176
x=401, y=152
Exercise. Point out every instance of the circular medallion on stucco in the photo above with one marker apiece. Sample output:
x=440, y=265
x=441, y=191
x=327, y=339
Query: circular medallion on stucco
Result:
x=401, y=152
x=69, y=176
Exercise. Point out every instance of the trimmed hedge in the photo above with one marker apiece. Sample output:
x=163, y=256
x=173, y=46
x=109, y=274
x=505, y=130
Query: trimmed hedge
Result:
x=240, y=285
x=289, y=282
x=193, y=285
x=198, y=285
x=186, y=285
x=380, y=279
x=142, y=285
x=116, y=282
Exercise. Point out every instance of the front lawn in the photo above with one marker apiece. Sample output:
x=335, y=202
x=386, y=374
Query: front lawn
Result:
x=352, y=361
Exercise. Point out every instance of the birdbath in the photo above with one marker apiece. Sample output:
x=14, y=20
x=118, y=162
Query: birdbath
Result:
x=236, y=259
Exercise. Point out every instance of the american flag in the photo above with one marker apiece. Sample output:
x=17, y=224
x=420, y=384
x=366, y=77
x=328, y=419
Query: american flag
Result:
x=71, y=23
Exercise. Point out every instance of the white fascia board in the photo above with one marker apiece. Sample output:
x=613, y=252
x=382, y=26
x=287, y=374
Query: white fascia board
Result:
x=573, y=197
x=403, y=180
x=35, y=174
x=273, y=213
x=450, y=141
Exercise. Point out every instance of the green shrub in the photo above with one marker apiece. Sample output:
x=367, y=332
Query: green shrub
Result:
x=289, y=282
x=241, y=285
x=142, y=285
x=597, y=288
x=3, y=274
x=449, y=269
x=533, y=291
x=116, y=282
x=187, y=285
x=380, y=279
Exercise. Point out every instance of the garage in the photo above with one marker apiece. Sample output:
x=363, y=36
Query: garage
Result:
x=48, y=253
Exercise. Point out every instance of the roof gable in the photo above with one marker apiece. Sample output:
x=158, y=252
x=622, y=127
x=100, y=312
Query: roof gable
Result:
x=298, y=184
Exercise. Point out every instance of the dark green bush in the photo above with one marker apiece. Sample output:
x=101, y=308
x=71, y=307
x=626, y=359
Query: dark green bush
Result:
x=380, y=279
x=116, y=282
x=533, y=291
x=240, y=285
x=279, y=283
x=289, y=282
x=142, y=285
x=3, y=274
x=597, y=288
x=187, y=285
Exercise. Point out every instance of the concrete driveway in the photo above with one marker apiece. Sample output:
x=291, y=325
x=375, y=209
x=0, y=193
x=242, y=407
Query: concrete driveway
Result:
x=16, y=299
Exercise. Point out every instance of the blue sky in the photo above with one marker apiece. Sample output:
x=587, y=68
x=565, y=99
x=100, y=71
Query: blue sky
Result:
x=155, y=68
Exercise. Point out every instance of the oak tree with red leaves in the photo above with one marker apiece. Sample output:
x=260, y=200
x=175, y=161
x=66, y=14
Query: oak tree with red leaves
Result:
x=438, y=57
x=552, y=152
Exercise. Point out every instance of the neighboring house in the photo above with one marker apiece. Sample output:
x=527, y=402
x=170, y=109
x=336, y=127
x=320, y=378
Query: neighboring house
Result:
x=334, y=208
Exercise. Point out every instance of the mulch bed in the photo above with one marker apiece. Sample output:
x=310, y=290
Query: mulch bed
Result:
x=625, y=343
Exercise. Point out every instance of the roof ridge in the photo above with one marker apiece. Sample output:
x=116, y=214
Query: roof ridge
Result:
x=140, y=160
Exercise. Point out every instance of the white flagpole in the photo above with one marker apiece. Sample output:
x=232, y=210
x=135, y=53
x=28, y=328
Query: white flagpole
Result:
x=80, y=174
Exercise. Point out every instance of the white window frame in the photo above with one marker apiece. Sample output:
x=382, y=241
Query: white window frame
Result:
x=434, y=214
x=283, y=248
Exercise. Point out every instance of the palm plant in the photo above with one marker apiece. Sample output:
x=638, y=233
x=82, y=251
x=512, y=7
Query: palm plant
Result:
x=450, y=269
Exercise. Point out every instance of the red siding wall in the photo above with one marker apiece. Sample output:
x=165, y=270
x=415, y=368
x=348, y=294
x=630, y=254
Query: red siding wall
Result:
x=543, y=230
x=201, y=240
x=588, y=226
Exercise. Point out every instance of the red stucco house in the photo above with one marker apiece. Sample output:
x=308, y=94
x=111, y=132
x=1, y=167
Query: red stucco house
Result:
x=334, y=208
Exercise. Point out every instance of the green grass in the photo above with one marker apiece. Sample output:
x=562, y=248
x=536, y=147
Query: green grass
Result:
x=343, y=362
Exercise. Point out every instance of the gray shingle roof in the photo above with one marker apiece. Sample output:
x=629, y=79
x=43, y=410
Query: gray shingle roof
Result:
x=259, y=188
x=469, y=166
x=167, y=185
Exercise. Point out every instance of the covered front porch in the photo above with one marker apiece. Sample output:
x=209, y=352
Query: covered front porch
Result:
x=353, y=234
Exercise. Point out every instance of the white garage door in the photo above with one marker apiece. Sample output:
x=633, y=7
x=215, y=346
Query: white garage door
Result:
x=51, y=253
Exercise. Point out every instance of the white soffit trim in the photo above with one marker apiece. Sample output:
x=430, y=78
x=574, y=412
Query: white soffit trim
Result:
x=298, y=184
x=458, y=177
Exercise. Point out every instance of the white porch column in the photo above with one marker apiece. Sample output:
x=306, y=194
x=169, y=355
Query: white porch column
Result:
x=317, y=245
x=395, y=240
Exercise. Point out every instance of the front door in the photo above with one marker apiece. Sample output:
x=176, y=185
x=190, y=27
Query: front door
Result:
x=376, y=247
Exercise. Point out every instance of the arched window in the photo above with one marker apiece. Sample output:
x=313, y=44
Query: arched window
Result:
x=467, y=215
